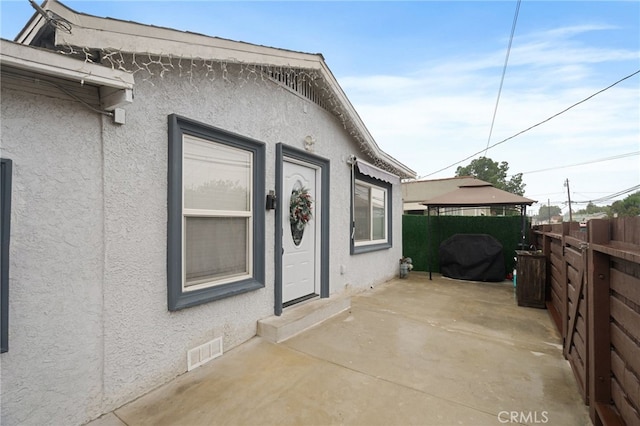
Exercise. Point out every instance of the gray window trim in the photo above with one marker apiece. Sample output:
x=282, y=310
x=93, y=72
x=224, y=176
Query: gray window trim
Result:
x=382, y=184
x=177, y=298
x=5, y=234
x=324, y=164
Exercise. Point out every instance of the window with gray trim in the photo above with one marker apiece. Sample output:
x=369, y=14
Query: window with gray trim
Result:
x=5, y=232
x=215, y=234
x=371, y=214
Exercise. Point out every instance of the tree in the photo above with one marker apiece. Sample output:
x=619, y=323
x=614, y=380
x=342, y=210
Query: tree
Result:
x=592, y=209
x=547, y=212
x=486, y=169
x=629, y=206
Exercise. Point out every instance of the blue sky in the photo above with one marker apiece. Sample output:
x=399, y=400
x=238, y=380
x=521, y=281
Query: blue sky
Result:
x=424, y=76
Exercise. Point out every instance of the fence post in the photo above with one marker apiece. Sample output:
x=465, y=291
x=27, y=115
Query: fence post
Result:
x=598, y=282
x=546, y=249
x=565, y=289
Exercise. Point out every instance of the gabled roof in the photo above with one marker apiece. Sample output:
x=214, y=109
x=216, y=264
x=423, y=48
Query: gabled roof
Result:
x=132, y=37
x=65, y=27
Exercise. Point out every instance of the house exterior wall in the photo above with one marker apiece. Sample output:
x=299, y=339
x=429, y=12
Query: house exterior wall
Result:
x=53, y=370
x=89, y=327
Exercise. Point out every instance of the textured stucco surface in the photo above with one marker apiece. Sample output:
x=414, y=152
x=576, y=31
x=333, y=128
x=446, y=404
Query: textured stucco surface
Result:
x=90, y=328
x=52, y=372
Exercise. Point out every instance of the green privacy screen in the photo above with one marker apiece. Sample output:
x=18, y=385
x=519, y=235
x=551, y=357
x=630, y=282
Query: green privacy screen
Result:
x=421, y=236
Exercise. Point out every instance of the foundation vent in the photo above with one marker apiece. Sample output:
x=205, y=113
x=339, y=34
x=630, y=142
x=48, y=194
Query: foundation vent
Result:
x=204, y=353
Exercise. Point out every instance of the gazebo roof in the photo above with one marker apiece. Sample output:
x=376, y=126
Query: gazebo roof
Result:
x=476, y=195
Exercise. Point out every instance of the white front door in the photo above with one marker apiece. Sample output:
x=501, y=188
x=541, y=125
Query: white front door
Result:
x=300, y=253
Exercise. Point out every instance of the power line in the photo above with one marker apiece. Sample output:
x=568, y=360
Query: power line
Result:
x=600, y=160
x=583, y=194
x=504, y=71
x=611, y=196
x=595, y=200
x=535, y=125
x=545, y=194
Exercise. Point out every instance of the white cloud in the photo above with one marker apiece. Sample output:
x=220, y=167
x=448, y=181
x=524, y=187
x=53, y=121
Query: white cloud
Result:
x=442, y=113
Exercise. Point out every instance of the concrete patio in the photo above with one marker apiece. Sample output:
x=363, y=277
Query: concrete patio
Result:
x=408, y=352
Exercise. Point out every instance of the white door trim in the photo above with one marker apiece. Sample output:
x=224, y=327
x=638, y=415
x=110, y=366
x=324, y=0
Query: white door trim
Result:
x=322, y=229
x=308, y=286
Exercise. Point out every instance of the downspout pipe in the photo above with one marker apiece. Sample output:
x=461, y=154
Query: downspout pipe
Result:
x=429, y=239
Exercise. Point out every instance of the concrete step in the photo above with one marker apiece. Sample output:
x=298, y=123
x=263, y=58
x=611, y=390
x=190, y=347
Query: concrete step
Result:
x=298, y=318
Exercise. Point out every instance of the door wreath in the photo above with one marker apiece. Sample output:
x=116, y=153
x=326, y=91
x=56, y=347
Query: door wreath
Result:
x=300, y=212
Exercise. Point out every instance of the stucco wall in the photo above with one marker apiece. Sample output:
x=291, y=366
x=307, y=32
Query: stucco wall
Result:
x=90, y=328
x=146, y=344
x=52, y=373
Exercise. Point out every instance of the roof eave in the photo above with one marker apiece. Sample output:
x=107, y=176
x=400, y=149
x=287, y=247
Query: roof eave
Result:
x=31, y=29
x=52, y=64
x=404, y=171
x=116, y=87
x=428, y=204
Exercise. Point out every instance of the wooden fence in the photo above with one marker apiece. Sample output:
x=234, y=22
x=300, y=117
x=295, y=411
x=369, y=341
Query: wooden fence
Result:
x=593, y=296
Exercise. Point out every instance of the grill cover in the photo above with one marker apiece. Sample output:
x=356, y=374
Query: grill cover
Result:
x=475, y=257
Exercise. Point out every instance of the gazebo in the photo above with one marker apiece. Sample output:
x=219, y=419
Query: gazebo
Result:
x=480, y=194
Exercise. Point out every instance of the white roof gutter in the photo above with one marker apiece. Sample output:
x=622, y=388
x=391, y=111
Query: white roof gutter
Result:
x=116, y=87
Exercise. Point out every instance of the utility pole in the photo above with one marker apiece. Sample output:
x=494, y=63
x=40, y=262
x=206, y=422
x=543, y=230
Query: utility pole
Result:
x=549, y=210
x=566, y=183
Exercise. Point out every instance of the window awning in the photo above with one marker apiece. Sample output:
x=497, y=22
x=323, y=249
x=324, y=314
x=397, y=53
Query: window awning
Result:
x=376, y=172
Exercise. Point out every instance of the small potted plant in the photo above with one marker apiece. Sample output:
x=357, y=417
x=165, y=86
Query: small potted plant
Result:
x=406, y=264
